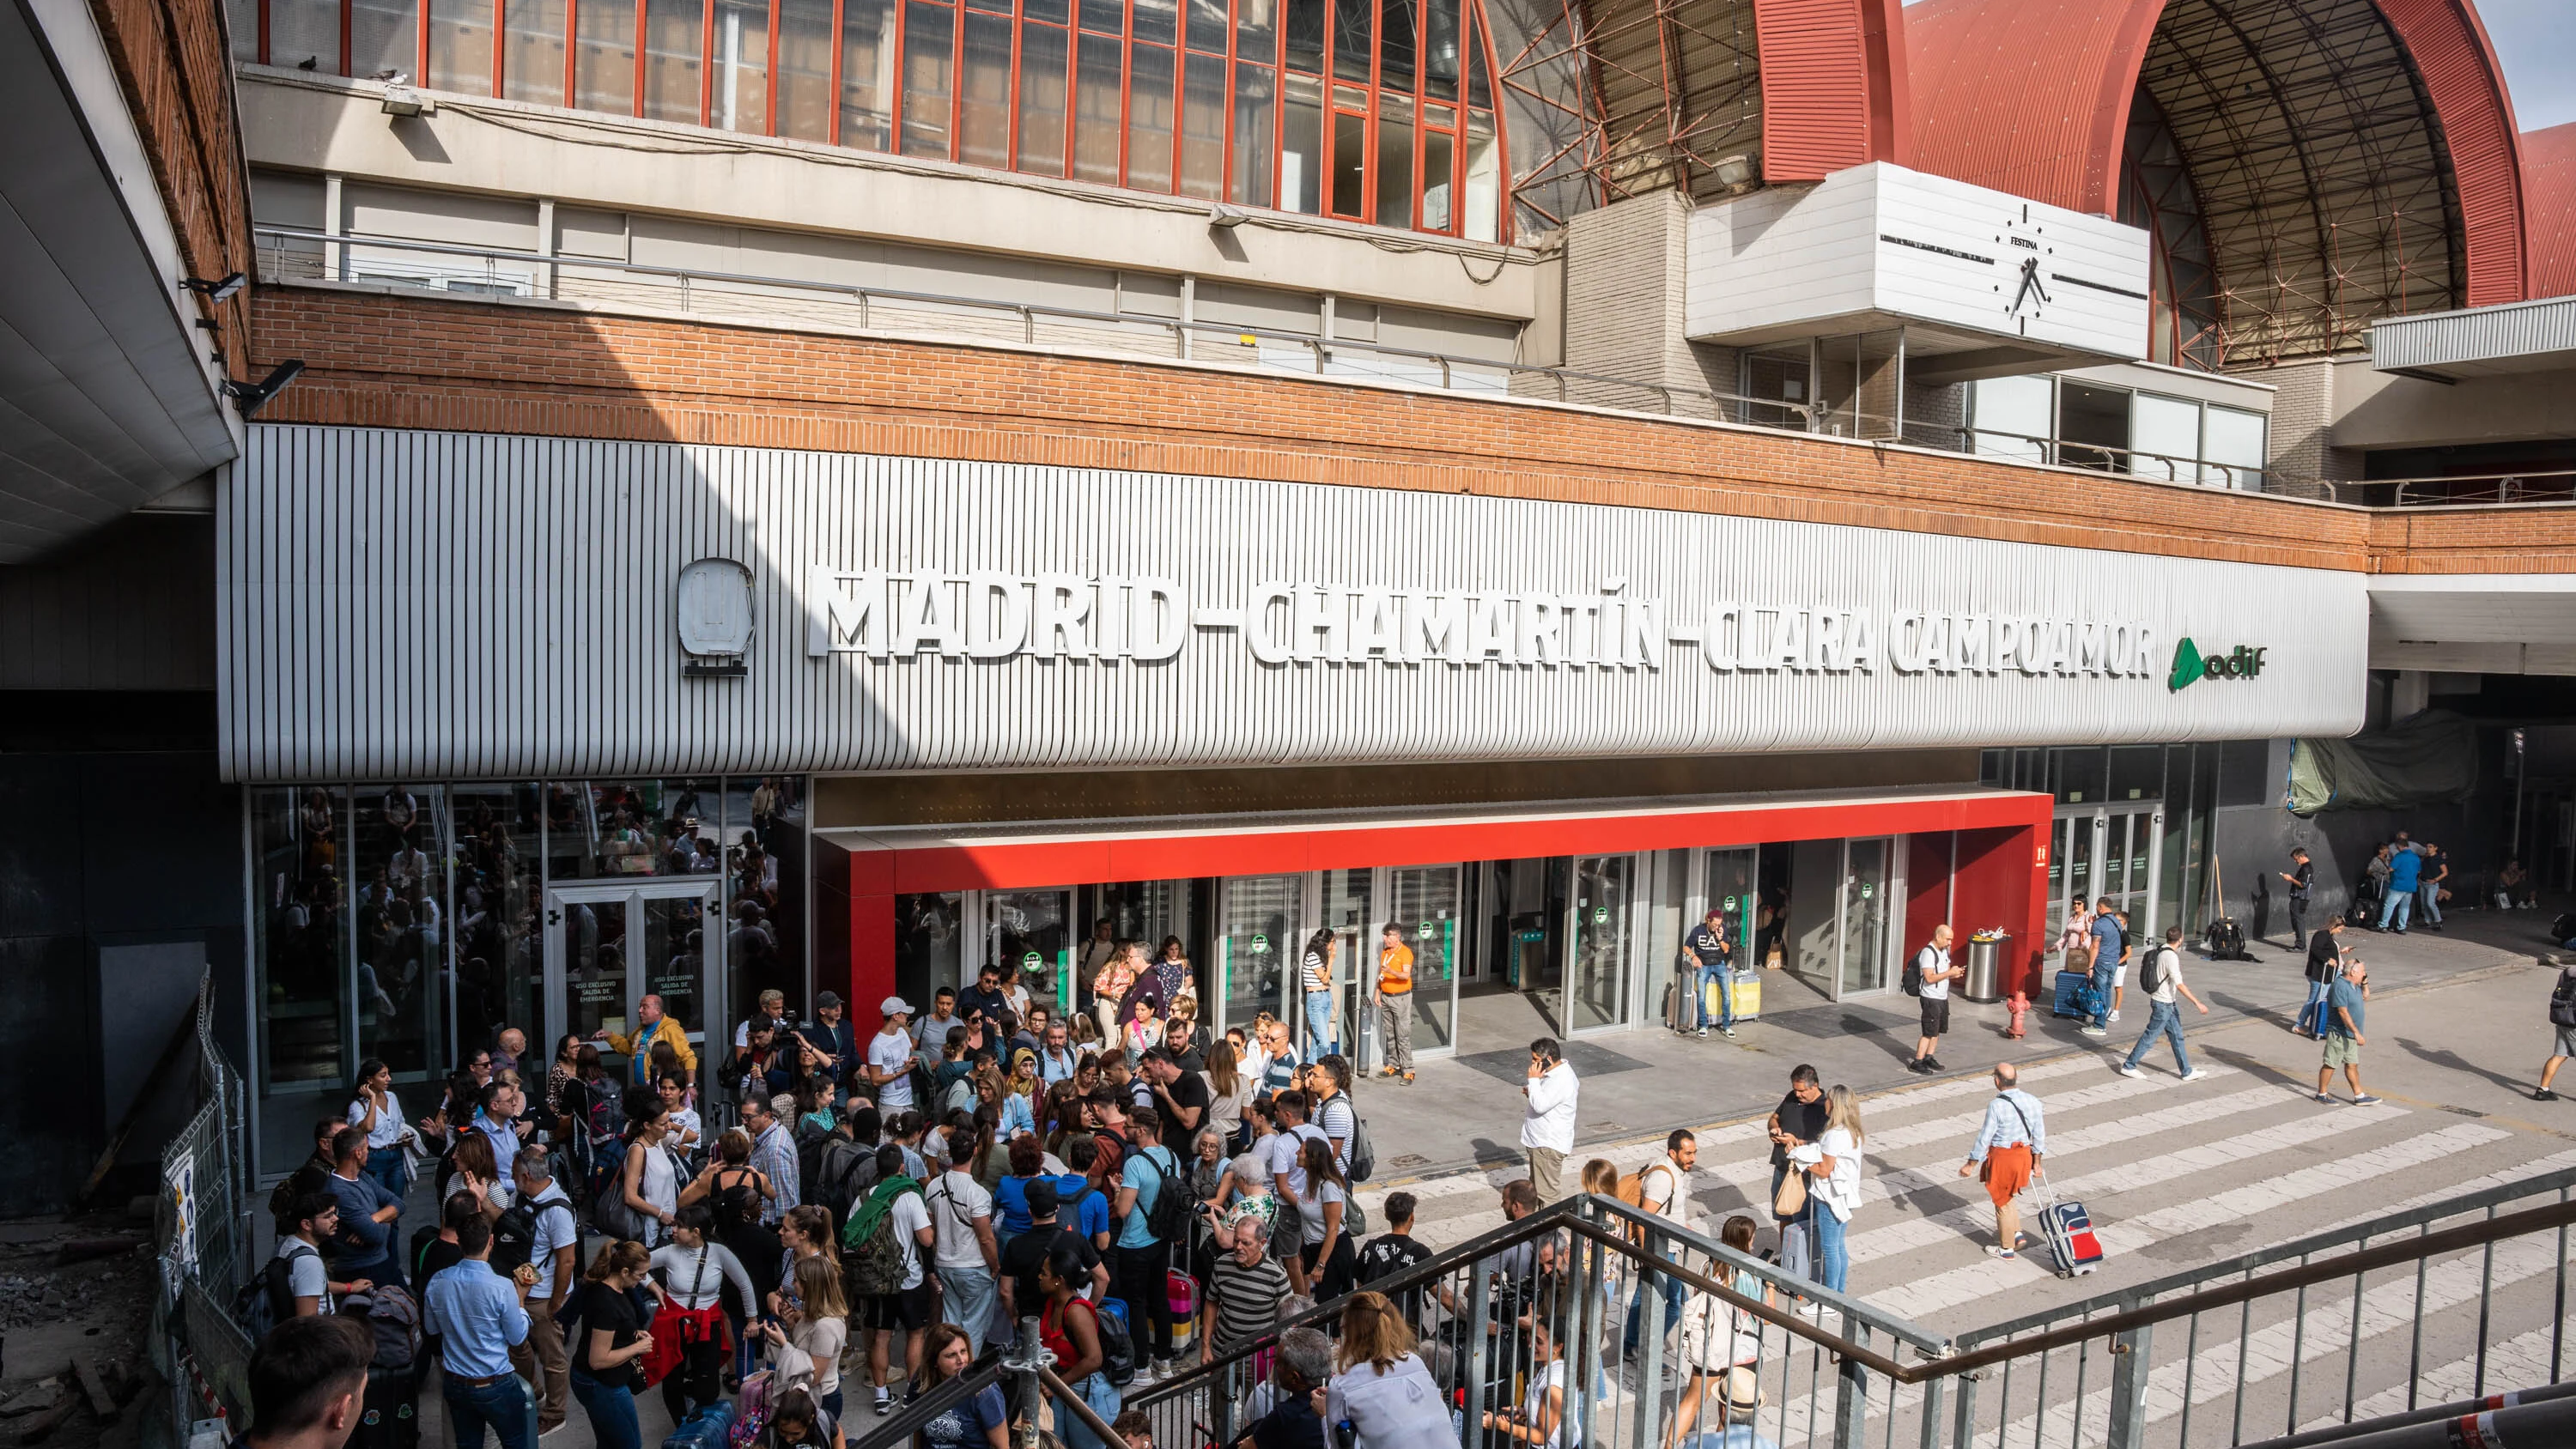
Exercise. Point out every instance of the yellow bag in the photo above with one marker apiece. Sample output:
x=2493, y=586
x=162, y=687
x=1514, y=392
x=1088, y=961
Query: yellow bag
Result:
x=1748, y=999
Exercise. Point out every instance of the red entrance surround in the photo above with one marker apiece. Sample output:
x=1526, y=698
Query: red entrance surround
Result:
x=2000, y=877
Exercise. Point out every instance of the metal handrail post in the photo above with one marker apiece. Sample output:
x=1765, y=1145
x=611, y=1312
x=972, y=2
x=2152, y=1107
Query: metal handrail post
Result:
x=1022, y=1361
x=1479, y=1306
x=1963, y=1419
x=1851, y=1388
x=2129, y=1354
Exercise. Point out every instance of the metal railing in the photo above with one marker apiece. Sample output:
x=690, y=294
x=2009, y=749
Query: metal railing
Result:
x=2357, y=1327
x=2103, y=458
x=294, y=254
x=201, y=1239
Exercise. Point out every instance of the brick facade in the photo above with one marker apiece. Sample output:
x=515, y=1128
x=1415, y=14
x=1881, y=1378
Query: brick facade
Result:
x=386, y=358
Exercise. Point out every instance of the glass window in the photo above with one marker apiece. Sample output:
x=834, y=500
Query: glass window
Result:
x=1052, y=12
x=384, y=35
x=1158, y=22
x=532, y=51
x=1260, y=929
x=1440, y=50
x=929, y=47
x=867, y=74
x=1253, y=134
x=1105, y=17
x=1096, y=117
x=928, y=944
x=500, y=957
x=984, y=104
x=1305, y=42
x=2137, y=772
x=805, y=69
x=1481, y=220
x=1149, y=116
x=1208, y=24
x=1350, y=164
x=2235, y=440
x=604, y=57
x=2164, y=436
x=1256, y=31
x=1395, y=45
x=765, y=882
x=1394, y=161
x=399, y=920
x=1439, y=158
x=460, y=46
x=1350, y=914
x=1351, y=39
x=741, y=92
x=1042, y=65
x=2012, y=417
x=2079, y=775
x=1480, y=91
x=1301, y=155
x=1203, y=127
x=674, y=33
x=1426, y=908
x=241, y=17
x=1864, y=925
x=302, y=30
x=1596, y=995
x=605, y=829
x=2092, y=425
x=299, y=933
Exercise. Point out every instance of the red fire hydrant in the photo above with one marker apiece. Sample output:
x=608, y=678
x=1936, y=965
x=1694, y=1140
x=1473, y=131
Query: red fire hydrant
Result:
x=2019, y=1005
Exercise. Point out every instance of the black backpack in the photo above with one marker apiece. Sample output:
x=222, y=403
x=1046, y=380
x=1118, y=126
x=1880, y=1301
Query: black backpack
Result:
x=844, y=1173
x=2151, y=972
x=514, y=1237
x=1912, y=981
x=268, y=1299
x=1169, y=1218
x=2562, y=1000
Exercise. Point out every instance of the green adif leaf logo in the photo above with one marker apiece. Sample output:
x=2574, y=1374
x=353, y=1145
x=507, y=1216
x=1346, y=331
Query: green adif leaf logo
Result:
x=2187, y=665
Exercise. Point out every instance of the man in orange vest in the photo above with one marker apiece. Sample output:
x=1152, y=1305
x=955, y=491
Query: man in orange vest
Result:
x=1394, y=998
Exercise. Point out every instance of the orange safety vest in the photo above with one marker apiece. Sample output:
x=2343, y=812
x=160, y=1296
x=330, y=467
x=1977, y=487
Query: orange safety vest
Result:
x=1395, y=970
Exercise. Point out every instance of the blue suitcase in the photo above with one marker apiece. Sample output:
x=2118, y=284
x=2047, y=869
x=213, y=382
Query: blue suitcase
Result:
x=705, y=1429
x=2074, y=996
x=2068, y=1230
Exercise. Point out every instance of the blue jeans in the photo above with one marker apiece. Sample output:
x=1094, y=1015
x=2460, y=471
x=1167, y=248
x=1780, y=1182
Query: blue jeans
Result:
x=2430, y=898
x=968, y=1302
x=389, y=1167
x=2312, y=1016
x=611, y=1410
x=2103, y=972
x=2164, y=1018
x=1725, y=980
x=1833, y=1260
x=1319, y=1024
x=1672, y=1292
x=2400, y=904
x=502, y=1404
x=1103, y=1398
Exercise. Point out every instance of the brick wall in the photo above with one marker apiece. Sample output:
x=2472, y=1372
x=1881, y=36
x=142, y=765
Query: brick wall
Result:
x=173, y=63
x=1624, y=304
x=2302, y=423
x=388, y=358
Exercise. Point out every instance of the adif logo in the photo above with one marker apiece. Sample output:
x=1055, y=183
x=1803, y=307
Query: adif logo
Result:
x=2242, y=662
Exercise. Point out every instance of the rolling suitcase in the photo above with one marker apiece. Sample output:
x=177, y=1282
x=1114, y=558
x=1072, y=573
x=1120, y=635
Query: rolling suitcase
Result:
x=2074, y=989
x=1748, y=998
x=2068, y=1229
x=390, y=1417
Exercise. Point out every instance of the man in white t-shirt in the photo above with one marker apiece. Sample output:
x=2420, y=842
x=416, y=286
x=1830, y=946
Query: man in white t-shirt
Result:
x=890, y=1058
x=967, y=1257
x=553, y=1242
x=2161, y=976
x=308, y=1277
x=1935, y=973
x=907, y=1310
x=1663, y=1188
x=1287, y=1178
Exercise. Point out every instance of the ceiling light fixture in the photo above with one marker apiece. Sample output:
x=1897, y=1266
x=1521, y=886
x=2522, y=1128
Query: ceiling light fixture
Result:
x=248, y=396
x=218, y=290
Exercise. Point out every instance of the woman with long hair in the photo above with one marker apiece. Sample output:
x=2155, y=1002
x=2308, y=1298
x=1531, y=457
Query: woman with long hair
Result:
x=1380, y=1385
x=1600, y=1175
x=694, y=1270
x=797, y=1421
x=1180, y=982
x=1315, y=976
x=1718, y=1337
x=1142, y=1033
x=472, y=1168
x=1110, y=985
x=733, y=1191
x=1833, y=1167
x=1326, y=1259
x=806, y=1232
x=604, y=1373
x=1069, y=1327
x=649, y=1181
x=376, y=1111
x=981, y=1422
x=816, y=1324
x=1229, y=1092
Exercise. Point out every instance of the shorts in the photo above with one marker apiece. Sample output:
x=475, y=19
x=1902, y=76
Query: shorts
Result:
x=906, y=1310
x=2566, y=1042
x=2342, y=1051
x=2007, y=1172
x=2119, y=975
x=1936, y=1015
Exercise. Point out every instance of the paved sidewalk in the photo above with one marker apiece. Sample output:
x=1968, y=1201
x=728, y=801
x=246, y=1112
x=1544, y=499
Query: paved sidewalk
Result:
x=1465, y=1112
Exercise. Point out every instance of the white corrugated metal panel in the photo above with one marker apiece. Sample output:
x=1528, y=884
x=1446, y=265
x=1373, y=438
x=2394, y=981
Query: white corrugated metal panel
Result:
x=427, y=605
x=1879, y=243
x=2513, y=337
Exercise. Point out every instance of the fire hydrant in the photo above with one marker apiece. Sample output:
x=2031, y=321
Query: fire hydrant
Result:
x=2019, y=1005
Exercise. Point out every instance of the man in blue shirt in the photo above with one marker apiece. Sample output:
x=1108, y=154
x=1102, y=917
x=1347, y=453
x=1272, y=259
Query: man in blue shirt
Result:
x=2405, y=873
x=479, y=1316
x=1142, y=1259
x=364, y=1246
x=2344, y=1006
x=2107, y=944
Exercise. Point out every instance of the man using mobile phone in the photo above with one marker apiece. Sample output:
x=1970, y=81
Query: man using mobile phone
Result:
x=1547, y=1123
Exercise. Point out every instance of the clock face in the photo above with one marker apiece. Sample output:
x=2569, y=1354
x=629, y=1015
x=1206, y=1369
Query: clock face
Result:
x=2023, y=286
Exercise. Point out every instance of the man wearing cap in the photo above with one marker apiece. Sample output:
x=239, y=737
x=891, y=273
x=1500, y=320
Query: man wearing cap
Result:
x=889, y=1069
x=832, y=1034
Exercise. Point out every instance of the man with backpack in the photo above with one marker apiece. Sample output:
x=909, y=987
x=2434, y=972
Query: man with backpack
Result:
x=540, y=1229
x=1663, y=1188
x=883, y=1245
x=2562, y=1021
x=1154, y=1211
x=297, y=1281
x=364, y=1242
x=2160, y=977
x=1327, y=1084
x=961, y=1217
x=2108, y=946
x=1928, y=977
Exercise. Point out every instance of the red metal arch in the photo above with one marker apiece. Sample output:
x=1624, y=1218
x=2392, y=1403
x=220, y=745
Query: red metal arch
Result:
x=2549, y=204
x=2032, y=97
x=1833, y=86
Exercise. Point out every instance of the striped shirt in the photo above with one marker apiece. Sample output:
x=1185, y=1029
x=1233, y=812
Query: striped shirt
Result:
x=1247, y=1299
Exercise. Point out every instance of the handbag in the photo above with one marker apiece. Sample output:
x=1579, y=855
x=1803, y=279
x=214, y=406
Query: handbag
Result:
x=1792, y=1197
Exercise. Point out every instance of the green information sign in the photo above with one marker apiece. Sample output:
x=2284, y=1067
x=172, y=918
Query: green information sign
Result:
x=1730, y=903
x=1600, y=915
x=1426, y=930
x=1260, y=945
x=1029, y=962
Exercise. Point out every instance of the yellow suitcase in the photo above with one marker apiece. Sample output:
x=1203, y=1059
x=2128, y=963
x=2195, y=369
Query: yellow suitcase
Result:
x=1748, y=1000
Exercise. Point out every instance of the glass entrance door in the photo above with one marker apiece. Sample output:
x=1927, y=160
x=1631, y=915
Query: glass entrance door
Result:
x=1598, y=930
x=1260, y=924
x=1863, y=945
x=610, y=946
x=1347, y=904
x=2102, y=851
x=1028, y=932
x=1424, y=902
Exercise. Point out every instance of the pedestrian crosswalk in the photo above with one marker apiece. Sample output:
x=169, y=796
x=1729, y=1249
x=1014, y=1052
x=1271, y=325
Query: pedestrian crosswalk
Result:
x=2176, y=1175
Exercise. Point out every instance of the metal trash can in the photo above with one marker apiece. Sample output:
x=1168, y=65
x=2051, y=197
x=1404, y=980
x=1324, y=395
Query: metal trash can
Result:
x=1985, y=968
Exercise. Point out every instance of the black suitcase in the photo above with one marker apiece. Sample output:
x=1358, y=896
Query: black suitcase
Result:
x=390, y=1418
x=2227, y=941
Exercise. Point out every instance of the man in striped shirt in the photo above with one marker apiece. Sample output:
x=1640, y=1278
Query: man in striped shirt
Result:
x=1245, y=1289
x=2009, y=1146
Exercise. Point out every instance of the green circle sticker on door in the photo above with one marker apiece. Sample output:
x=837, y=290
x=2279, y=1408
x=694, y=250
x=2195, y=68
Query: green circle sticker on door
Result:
x=1029, y=962
x=1426, y=930
x=1865, y=891
x=1730, y=903
x=1260, y=945
x=1600, y=915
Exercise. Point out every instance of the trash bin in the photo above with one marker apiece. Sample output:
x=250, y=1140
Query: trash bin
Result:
x=1985, y=968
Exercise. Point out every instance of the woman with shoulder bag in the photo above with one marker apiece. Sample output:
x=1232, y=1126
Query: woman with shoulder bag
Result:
x=689, y=1353
x=605, y=1370
x=1717, y=1335
x=806, y=1341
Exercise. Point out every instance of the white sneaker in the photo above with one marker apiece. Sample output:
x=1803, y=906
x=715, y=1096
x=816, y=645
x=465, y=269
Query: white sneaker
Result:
x=2115, y=1018
x=2124, y=1069
x=2195, y=1074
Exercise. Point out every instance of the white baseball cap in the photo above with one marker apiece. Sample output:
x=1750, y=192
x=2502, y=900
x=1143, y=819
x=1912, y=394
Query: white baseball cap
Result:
x=895, y=1006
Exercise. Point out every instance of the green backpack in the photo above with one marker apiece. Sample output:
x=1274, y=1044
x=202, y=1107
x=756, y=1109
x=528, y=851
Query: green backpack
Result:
x=872, y=1255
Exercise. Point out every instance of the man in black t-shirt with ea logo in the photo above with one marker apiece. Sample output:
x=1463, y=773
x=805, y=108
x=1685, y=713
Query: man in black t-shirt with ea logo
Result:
x=1707, y=945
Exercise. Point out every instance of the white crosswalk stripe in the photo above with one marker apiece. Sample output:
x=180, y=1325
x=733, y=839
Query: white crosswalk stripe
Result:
x=2519, y=1362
